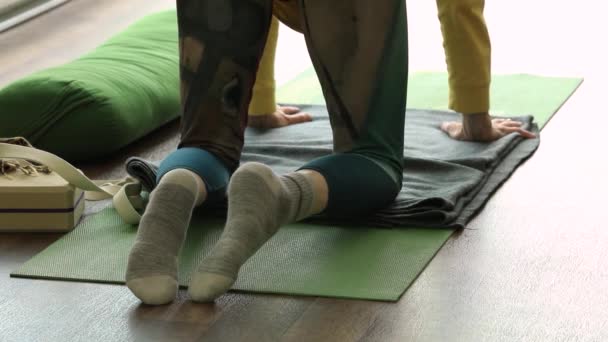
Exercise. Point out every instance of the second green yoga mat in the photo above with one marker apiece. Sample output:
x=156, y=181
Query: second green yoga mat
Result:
x=304, y=259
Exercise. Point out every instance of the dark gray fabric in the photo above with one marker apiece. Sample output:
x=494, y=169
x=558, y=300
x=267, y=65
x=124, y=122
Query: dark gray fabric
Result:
x=144, y=171
x=445, y=182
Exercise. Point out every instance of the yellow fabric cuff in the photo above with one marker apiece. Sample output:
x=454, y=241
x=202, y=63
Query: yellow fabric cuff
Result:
x=469, y=100
x=263, y=100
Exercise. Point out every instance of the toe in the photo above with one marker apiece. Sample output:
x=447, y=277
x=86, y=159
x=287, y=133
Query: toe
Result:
x=154, y=290
x=206, y=287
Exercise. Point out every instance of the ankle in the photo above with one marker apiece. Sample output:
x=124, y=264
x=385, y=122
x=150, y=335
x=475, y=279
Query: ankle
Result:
x=319, y=190
x=300, y=196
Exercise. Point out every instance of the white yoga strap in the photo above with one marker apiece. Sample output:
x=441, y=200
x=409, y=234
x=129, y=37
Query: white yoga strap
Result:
x=125, y=193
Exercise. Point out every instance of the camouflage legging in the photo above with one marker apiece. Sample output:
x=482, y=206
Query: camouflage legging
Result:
x=359, y=50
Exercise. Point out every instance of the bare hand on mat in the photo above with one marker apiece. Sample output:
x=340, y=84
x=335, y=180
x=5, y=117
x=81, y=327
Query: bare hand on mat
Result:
x=283, y=116
x=481, y=127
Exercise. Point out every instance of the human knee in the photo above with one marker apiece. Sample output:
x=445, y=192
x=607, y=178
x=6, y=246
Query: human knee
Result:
x=357, y=184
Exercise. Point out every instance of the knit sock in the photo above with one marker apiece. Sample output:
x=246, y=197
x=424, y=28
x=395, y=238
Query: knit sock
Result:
x=259, y=202
x=152, y=266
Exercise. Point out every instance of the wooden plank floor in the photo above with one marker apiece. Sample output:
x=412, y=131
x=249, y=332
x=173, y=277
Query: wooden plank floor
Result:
x=533, y=266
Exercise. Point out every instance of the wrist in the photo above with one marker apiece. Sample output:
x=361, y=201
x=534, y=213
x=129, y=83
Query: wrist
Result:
x=477, y=126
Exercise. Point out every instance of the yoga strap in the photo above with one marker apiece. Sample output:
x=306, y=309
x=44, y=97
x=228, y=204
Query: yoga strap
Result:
x=125, y=193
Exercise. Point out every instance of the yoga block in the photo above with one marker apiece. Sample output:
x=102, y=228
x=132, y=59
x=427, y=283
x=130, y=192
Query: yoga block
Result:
x=38, y=203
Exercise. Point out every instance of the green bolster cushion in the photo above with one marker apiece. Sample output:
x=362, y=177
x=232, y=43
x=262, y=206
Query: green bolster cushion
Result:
x=103, y=101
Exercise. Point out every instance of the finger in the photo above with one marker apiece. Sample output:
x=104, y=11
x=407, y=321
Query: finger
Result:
x=451, y=128
x=512, y=123
x=289, y=109
x=503, y=120
x=298, y=118
x=524, y=133
x=445, y=126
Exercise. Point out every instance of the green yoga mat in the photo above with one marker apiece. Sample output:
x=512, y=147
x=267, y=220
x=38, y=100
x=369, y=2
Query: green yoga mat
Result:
x=303, y=259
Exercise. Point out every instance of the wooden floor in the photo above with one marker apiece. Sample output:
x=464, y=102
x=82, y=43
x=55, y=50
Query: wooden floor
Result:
x=532, y=267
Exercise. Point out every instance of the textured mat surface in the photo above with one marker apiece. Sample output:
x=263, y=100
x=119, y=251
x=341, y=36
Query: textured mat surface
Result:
x=511, y=94
x=302, y=259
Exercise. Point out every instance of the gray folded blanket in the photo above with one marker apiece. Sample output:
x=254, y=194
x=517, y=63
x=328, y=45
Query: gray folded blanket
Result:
x=445, y=182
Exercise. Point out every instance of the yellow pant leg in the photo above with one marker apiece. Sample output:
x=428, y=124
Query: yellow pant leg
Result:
x=263, y=100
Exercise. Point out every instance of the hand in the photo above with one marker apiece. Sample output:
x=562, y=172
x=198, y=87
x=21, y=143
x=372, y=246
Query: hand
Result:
x=481, y=127
x=283, y=116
